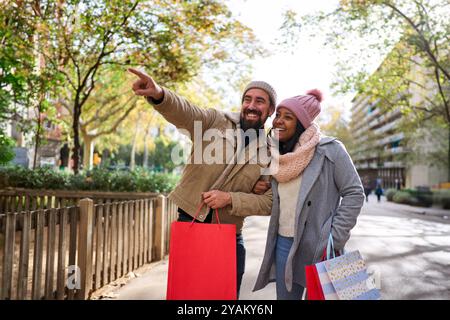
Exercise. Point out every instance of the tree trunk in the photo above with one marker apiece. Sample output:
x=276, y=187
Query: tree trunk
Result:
x=145, y=161
x=76, y=138
x=88, y=152
x=133, y=148
x=38, y=138
x=448, y=154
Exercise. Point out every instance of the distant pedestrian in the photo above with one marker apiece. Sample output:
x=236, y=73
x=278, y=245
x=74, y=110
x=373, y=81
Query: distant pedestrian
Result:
x=379, y=192
x=367, y=189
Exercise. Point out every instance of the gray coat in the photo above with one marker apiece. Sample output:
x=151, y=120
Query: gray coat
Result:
x=329, y=177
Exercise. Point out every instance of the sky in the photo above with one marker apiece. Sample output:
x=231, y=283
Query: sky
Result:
x=309, y=66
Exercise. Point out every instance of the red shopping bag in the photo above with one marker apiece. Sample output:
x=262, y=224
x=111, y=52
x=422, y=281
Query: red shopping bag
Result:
x=202, y=261
x=313, y=287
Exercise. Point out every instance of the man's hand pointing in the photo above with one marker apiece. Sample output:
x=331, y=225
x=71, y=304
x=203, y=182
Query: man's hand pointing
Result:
x=146, y=86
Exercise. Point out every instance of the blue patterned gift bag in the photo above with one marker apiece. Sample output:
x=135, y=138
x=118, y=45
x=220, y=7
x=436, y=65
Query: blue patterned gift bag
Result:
x=345, y=277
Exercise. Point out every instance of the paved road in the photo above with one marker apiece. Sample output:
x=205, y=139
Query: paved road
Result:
x=408, y=251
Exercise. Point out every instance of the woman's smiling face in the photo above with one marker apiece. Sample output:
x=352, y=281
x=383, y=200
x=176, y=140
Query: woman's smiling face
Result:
x=284, y=123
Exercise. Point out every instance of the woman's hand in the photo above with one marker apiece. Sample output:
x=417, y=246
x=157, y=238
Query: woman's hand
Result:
x=261, y=187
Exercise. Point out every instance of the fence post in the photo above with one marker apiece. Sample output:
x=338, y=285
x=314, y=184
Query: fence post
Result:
x=85, y=247
x=159, y=231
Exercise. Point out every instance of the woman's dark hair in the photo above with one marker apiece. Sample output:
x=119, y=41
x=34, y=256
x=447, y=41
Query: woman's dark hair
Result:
x=289, y=145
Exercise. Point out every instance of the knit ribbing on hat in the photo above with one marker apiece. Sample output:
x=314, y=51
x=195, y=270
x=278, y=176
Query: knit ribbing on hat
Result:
x=305, y=107
x=263, y=86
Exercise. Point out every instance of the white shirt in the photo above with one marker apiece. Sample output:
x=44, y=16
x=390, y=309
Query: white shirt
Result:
x=288, y=192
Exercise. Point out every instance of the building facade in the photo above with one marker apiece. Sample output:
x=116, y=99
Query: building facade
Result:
x=378, y=147
x=381, y=152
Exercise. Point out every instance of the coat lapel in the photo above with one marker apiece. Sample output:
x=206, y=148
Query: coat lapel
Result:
x=309, y=177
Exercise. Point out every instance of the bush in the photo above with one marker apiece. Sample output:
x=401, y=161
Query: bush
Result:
x=422, y=195
x=7, y=153
x=403, y=197
x=442, y=198
x=140, y=180
x=123, y=181
x=390, y=194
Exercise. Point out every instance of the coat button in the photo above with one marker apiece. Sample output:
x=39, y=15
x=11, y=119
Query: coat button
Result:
x=200, y=216
x=309, y=203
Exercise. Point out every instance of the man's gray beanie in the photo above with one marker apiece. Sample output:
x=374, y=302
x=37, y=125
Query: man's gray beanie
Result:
x=263, y=86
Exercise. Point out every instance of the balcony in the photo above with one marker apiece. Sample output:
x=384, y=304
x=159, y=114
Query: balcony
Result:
x=395, y=150
x=392, y=138
x=373, y=165
x=364, y=165
x=373, y=114
x=387, y=127
x=385, y=118
x=393, y=164
x=360, y=129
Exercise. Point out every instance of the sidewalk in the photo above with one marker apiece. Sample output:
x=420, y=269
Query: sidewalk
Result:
x=404, y=208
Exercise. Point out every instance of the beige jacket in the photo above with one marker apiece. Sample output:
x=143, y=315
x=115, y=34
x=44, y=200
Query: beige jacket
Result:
x=198, y=178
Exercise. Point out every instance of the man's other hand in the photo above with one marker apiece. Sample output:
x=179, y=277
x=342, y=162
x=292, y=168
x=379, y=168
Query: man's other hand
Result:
x=216, y=199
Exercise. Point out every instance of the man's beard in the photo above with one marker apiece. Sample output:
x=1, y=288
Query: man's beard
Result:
x=246, y=124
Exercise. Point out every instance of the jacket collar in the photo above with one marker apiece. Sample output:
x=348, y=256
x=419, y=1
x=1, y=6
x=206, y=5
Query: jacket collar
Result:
x=325, y=140
x=234, y=117
x=325, y=148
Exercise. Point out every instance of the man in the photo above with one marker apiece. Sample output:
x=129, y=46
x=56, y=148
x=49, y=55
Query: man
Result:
x=200, y=181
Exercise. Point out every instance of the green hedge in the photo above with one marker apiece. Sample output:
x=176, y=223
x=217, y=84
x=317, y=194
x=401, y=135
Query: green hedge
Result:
x=390, y=194
x=419, y=197
x=402, y=197
x=442, y=197
x=139, y=180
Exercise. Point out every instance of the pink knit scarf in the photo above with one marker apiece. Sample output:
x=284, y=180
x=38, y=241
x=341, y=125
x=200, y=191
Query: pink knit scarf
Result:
x=292, y=164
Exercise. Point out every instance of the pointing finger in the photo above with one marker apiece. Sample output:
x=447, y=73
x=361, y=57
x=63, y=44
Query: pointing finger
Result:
x=141, y=92
x=140, y=74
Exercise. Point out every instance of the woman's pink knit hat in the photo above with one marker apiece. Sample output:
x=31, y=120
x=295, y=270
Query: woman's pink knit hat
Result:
x=305, y=107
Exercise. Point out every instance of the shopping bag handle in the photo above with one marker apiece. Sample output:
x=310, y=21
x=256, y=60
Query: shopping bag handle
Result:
x=200, y=208
x=330, y=249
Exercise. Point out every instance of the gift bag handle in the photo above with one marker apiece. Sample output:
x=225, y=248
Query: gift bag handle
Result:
x=330, y=249
x=200, y=208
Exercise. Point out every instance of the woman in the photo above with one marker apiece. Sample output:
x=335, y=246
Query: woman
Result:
x=316, y=191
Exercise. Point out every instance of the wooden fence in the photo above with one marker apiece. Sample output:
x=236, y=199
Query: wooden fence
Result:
x=67, y=252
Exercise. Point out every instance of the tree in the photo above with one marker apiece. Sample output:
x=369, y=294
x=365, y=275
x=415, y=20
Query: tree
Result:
x=333, y=123
x=26, y=83
x=160, y=156
x=6, y=149
x=165, y=37
x=82, y=40
x=109, y=105
x=414, y=38
x=198, y=91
